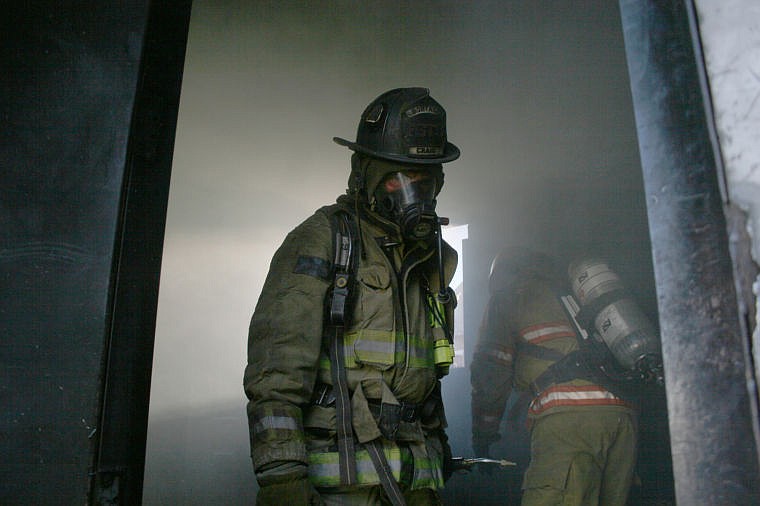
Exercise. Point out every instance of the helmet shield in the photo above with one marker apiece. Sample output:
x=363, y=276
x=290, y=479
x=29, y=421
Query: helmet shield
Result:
x=407, y=197
x=404, y=125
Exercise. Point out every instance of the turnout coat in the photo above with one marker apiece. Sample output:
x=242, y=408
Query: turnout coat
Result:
x=388, y=357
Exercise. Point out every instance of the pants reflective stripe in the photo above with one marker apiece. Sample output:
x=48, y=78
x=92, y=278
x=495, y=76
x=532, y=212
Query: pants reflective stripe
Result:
x=569, y=395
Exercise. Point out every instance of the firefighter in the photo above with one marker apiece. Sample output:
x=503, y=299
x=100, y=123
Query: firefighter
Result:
x=582, y=435
x=343, y=377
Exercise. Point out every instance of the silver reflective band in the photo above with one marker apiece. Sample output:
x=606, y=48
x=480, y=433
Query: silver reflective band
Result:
x=273, y=423
x=375, y=346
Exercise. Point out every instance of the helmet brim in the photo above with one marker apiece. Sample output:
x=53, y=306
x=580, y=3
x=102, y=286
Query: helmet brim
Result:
x=450, y=153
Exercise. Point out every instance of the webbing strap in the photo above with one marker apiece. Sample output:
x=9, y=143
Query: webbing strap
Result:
x=385, y=474
x=591, y=309
x=344, y=265
x=341, y=286
x=539, y=352
x=570, y=367
x=585, y=363
x=344, y=429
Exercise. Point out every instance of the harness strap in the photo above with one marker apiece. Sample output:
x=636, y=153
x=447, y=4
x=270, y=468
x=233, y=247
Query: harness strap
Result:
x=344, y=429
x=569, y=367
x=540, y=352
x=343, y=264
x=344, y=269
x=577, y=364
x=585, y=363
x=589, y=311
x=392, y=490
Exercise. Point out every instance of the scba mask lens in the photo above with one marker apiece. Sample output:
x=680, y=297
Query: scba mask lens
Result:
x=408, y=198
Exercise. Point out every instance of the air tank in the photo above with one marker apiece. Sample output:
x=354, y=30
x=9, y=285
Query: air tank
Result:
x=609, y=312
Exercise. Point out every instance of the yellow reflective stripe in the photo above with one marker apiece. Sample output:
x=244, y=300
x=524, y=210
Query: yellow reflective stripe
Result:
x=373, y=347
x=383, y=347
x=427, y=474
x=324, y=467
x=379, y=336
x=369, y=346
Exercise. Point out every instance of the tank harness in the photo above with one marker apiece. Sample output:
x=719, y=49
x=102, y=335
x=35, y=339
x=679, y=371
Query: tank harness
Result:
x=337, y=305
x=592, y=361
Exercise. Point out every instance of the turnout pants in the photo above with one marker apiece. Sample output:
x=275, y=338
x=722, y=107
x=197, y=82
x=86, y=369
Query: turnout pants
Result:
x=581, y=458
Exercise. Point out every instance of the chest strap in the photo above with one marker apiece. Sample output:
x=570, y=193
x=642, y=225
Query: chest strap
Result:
x=540, y=352
x=569, y=367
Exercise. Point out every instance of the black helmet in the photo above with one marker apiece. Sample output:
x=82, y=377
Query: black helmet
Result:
x=404, y=125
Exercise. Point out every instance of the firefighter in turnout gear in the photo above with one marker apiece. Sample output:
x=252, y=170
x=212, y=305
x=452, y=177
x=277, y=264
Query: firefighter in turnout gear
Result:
x=351, y=332
x=583, y=437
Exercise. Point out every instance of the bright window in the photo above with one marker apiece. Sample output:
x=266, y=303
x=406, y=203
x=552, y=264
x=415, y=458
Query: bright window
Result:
x=455, y=235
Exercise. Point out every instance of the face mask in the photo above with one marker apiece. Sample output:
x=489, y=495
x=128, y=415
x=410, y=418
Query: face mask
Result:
x=408, y=199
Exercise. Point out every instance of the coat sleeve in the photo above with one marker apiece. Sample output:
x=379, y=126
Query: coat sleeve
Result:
x=284, y=342
x=492, y=371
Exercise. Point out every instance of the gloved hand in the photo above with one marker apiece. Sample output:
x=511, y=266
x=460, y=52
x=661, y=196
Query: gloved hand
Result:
x=293, y=488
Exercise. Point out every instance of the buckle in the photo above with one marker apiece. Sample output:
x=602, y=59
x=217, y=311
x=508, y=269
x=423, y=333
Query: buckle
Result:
x=389, y=416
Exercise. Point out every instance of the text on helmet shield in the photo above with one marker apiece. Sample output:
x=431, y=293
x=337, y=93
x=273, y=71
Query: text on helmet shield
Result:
x=425, y=151
x=423, y=109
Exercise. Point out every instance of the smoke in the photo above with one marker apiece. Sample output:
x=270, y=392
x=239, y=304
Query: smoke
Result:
x=537, y=98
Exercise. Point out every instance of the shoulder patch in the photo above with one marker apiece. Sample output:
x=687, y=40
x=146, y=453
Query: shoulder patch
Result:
x=313, y=266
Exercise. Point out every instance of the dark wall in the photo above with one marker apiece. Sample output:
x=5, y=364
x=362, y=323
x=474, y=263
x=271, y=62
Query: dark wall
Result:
x=75, y=80
x=709, y=373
